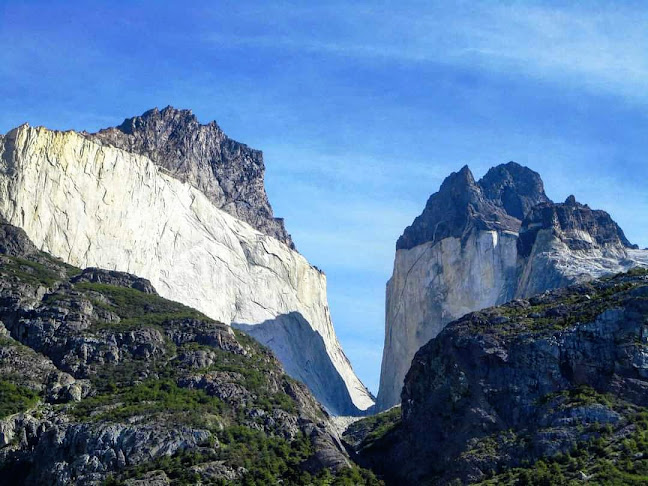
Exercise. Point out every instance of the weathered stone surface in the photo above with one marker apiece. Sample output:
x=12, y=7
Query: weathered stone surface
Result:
x=229, y=173
x=135, y=388
x=100, y=206
x=14, y=241
x=528, y=380
x=515, y=188
x=459, y=207
x=469, y=250
x=111, y=277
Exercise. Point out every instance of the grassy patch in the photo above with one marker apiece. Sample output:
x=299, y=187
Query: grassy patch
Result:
x=30, y=272
x=375, y=427
x=139, y=307
x=563, y=311
x=149, y=399
x=15, y=398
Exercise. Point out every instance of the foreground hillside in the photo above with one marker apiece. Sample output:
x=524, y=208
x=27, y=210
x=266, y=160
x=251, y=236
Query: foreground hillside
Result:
x=549, y=390
x=102, y=381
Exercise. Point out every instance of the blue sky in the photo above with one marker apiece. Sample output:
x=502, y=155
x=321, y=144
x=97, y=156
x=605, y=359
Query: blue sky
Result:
x=361, y=108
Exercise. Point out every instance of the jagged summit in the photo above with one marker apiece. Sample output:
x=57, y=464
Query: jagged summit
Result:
x=514, y=187
x=229, y=173
x=498, y=201
x=478, y=244
x=571, y=200
x=576, y=225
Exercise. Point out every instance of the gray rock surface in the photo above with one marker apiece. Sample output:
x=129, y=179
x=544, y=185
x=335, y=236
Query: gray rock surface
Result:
x=112, y=277
x=229, y=173
x=471, y=249
x=110, y=379
x=529, y=380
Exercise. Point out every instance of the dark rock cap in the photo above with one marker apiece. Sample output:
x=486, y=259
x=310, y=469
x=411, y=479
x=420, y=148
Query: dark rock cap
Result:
x=566, y=220
x=493, y=203
x=515, y=188
x=229, y=173
x=509, y=197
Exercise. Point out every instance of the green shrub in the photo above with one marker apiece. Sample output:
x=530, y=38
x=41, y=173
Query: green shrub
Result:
x=15, y=398
x=150, y=398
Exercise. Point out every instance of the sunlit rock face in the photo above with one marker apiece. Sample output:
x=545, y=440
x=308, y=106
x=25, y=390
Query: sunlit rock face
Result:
x=93, y=204
x=479, y=244
x=229, y=173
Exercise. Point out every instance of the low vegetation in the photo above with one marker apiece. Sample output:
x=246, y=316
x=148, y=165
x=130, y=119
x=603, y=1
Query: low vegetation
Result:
x=609, y=460
x=15, y=398
x=370, y=430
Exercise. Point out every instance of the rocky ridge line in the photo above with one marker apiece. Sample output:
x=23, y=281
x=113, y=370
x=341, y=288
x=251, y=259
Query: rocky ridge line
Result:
x=229, y=173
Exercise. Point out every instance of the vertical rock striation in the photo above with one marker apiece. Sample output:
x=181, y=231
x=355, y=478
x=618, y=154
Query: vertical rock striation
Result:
x=479, y=244
x=93, y=204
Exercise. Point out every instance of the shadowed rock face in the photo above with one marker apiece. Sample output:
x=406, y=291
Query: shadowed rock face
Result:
x=478, y=244
x=229, y=173
x=14, y=241
x=496, y=202
x=528, y=380
x=459, y=206
x=303, y=354
x=513, y=187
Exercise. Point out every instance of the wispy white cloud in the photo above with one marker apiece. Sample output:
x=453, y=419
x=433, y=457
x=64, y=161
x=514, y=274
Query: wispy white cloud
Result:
x=601, y=48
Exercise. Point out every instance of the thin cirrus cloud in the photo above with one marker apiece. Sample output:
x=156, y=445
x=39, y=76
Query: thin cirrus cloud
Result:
x=597, y=48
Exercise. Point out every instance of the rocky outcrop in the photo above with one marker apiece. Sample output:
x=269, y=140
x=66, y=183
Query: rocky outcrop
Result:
x=95, y=205
x=560, y=244
x=564, y=372
x=102, y=380
x=479, y=244
x=229, y=173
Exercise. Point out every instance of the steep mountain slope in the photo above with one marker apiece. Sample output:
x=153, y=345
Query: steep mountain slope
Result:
x=92, y=204
x=560, y=378
x=470, y=249
x=229, y=173
x=101, y=379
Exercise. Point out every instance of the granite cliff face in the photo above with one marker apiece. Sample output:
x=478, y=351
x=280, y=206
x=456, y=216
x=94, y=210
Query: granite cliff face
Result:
x=545, y=390
x=101, y=379
x=93, y=204
x=229, y=173
x=479, y=244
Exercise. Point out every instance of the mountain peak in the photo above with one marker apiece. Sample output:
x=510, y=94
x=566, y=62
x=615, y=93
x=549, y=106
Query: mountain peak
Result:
x=458, y=182
x=229, y=173
x=514, y=187
x=571, y=201
x=459, y=204
x=163, y=122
